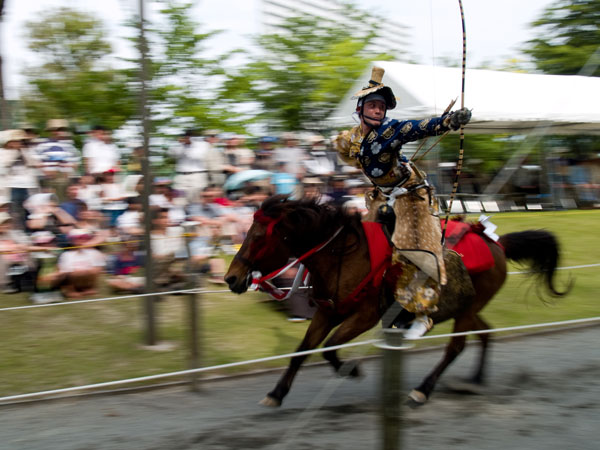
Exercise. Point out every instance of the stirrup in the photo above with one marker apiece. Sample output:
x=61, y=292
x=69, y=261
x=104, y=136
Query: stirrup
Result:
x=421, y=325
x=403, y=319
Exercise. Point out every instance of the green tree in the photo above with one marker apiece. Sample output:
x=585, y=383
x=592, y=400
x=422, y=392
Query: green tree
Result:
x=302, y=73
x=568, y=37
x=73, y=79
x=182, y=86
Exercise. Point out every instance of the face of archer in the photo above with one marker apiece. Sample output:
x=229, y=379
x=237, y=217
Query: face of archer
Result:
x=374, y=109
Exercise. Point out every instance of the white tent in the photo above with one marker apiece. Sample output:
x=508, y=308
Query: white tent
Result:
x=502, y=102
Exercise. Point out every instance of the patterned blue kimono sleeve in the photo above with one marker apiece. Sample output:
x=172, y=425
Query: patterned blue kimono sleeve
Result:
x=413, y=130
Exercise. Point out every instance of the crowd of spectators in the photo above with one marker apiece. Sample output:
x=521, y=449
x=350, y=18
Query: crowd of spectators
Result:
x=72, y=220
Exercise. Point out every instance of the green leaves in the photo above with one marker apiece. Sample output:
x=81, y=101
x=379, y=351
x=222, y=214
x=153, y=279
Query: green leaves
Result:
x=303, y=71
x=568, y=36
x=73, y=80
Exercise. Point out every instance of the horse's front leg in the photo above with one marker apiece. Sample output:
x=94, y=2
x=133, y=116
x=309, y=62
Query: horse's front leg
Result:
x=352, y=327
x=319, y=328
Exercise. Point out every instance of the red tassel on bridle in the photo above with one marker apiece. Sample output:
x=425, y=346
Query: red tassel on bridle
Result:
x=270, y=222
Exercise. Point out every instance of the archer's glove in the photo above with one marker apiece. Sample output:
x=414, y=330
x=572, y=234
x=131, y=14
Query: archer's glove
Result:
x=458, y=118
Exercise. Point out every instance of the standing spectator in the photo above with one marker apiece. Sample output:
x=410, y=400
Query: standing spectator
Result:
x=216, y=165
x=291, y=154
x=237, y=156
x=337, y=189
x=264, y=153
x=99, y=152
x=319, y=161
x=312, y=187
x=190, y=167
x=134, y=162
x=284, y=182
x=59, y=159
x=17, y=171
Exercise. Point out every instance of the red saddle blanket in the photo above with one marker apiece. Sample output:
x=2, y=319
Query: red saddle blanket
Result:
x=475, y=254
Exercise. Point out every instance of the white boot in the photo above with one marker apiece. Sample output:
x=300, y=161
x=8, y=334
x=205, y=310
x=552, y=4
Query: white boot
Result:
x=421, y=325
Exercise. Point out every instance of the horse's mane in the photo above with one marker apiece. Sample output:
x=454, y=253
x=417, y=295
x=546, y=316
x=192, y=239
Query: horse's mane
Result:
x=308, y=221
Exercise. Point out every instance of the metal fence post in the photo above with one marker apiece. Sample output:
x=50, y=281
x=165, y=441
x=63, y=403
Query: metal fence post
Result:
x=193, y=281
x=391, y=389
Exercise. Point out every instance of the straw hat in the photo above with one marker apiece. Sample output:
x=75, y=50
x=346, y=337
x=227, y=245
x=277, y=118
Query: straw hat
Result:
x=4, y=217
x=12, y=135
x=376, y=85
x=55, y=124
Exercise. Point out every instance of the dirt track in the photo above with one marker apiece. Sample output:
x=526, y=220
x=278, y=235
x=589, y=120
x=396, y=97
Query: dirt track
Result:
x=542, y=393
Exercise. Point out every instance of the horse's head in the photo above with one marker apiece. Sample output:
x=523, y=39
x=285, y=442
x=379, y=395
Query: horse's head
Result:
x=264, y=249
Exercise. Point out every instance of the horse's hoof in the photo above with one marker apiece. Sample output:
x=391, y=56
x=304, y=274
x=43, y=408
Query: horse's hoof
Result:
x=350, y=370
x=270, y=401
x=416, y=398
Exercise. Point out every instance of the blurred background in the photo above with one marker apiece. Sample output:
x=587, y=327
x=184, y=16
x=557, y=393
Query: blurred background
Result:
x=173, y=126
x=225, y=118
x=226, y=114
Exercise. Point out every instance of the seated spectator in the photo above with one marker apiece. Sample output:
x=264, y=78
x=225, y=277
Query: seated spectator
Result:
x=127, y=266
x=73, y=205
x=113, y=197
x=79, y=269
x=90, y=192
x=164, y=196
x=46, y=289
x=130, y=222
x=95, y=223
x=167, y=246
x=45, y=215
x=16, y=266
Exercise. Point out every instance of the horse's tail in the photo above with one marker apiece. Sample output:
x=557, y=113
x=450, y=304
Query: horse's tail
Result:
x=539, y=250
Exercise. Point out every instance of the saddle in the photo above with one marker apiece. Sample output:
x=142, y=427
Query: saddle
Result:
x=466, y=240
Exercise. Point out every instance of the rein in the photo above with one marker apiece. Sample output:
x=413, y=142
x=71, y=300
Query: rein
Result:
x=262, y=282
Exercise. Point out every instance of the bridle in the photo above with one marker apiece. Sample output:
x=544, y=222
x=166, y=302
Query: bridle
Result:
x=259, y=281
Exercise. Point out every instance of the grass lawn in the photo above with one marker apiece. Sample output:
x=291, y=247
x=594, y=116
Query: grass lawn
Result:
x=63, y=346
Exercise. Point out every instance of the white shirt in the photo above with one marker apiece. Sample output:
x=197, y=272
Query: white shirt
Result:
x=80, y=259
x=100, y=156
x=190, y=158
x=169, y=244
x=129, y=219
x=16, y=169
x=292, y=157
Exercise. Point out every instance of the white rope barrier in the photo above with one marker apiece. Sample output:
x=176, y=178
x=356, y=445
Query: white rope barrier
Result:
x=203, y=291
x=13, y=398
x=182, y=372
x=584, y=266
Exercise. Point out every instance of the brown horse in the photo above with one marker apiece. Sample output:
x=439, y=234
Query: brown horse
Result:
x=284, y=228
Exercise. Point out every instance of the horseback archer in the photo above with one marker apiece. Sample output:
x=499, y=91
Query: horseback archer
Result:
x=375, y=146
